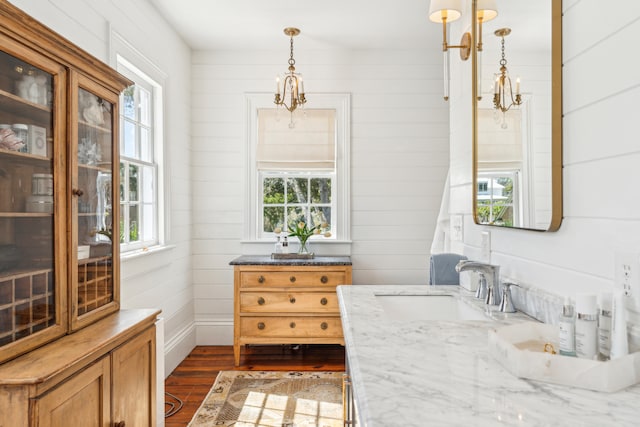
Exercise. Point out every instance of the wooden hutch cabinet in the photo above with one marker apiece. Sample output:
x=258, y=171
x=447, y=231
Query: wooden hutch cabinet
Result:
x=62, y=334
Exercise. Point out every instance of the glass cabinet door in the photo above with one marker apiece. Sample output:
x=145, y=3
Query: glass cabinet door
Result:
x=32, y=202
x=95, y=239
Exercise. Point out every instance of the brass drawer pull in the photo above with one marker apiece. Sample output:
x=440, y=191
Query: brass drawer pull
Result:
x=324, y=326
x=324, y=279
x=119, y=424
x=292, y=279
x=323, y=301
x=261, y=279
x=77, y=192
x=261, y=325
x=261, y=301
x=292, y=325
x=292, y=300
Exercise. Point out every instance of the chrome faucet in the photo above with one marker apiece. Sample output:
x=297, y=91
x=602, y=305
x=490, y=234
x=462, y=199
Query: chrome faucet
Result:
x=491, y=274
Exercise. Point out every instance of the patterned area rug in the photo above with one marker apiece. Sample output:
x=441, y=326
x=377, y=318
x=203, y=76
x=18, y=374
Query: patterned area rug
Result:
x=272, y=399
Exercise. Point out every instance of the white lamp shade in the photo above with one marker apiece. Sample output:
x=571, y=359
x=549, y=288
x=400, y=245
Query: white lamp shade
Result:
x=451, y=9
x=487, y=10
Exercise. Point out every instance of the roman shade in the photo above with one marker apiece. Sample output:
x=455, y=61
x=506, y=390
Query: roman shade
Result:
x=500, y=148
x=309, y=145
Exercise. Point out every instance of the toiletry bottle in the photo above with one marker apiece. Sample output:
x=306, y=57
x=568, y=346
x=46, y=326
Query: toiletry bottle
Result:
x=278, y=247
x=586, y=326
x=619, y=338
x=604, y=326
x=285, y=245
x=567, y=323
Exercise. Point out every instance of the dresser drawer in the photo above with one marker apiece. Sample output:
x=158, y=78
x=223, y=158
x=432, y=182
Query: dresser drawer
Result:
x=292, y=278
x=289, y=302
x=291, y=327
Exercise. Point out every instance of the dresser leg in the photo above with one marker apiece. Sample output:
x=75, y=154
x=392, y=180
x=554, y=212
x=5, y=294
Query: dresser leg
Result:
x=236, y=354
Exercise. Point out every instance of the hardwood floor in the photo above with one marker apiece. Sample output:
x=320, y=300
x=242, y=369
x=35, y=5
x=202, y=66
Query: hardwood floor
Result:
x=193, y=378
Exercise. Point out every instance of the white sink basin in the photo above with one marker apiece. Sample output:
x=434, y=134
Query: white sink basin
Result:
x=427, y=307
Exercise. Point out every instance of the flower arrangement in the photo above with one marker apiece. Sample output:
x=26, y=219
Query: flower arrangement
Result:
x=302, y=232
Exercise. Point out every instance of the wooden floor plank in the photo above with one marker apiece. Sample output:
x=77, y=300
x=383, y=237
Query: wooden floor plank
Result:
x=193, y=378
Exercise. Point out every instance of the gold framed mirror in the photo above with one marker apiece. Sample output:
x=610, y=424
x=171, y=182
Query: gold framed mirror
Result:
x=517, y=116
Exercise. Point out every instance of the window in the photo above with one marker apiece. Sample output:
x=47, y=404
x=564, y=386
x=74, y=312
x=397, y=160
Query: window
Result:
x=498, y=198
x=140, y=154
x=300, y=173
x=296, y=167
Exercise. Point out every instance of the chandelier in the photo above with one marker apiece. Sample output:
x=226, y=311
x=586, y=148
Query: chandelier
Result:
x=503, y=98
x=292, y=84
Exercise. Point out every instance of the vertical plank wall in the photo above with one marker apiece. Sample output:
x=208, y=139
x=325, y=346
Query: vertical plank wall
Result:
x=601, y=158
x=399, y=160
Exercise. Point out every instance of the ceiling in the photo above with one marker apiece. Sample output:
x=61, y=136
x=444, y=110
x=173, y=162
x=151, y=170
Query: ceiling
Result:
x=328, y=24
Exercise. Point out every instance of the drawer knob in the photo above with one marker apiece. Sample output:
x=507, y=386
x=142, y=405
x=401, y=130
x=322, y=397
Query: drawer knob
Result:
x=261, y=301
x=324, y=326
x=261, y=279
x=323, y=301
x=292, y=300
x=119, y=424
x=261, y=325
x=324, y=279
x=77, y=192
x=292, y=325
x=292, y=279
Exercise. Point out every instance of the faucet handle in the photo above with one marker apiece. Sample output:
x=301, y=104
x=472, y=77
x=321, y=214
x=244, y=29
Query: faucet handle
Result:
x=506, y=305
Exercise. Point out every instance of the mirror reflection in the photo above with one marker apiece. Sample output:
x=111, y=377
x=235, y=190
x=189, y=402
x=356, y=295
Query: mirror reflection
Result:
x=517, y=164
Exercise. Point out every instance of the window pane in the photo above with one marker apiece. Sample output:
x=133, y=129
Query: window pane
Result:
x=129, y=139
x=320, y=190
x=122, y=216
x=297, y=190
x=273, y=217
x=148, y=193
x=273, y=190
x=145, y=107
x=296, y=215
x=128, y=103
x=133, y=183
x=133, y=224
x=320, y=216
x=122, y=180
x=145, y=145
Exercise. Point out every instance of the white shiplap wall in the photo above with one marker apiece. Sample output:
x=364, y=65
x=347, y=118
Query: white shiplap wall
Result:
x=399, y=160
x=601, y=157
x=162, y=279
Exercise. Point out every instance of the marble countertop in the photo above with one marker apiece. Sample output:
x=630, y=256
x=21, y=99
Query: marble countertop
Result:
x=267, y=260
x=421, y=372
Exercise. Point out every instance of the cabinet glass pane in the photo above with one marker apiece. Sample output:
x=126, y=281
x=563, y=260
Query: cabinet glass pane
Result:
x=94, y=202
x=27, y=197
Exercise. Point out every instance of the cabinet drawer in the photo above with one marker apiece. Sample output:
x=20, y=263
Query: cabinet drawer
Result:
x=281, y=302
x=290, y=326
x=292, y=278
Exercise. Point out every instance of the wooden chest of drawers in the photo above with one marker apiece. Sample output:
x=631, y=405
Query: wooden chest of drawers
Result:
x=288, y=302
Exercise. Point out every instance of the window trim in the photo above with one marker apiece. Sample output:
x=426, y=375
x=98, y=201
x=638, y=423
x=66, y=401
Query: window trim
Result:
x=341, y=103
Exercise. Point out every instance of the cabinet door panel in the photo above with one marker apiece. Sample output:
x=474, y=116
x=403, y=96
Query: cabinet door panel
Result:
x=94, y=202
x=32, y=200
x=134, y=382
x=83, y=400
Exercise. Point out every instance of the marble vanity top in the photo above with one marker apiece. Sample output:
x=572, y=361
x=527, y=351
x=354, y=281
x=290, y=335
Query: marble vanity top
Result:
x=439, y=373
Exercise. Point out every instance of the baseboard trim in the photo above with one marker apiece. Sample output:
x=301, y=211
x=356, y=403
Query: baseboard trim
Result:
x=214, y=331
x=178, y=347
